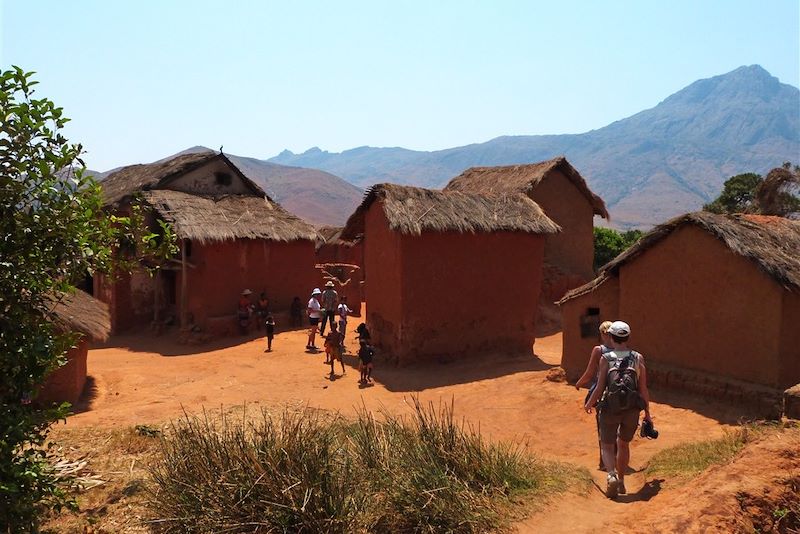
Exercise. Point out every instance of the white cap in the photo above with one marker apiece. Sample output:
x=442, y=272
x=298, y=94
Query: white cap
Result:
x=619, y=329
x=316, y=292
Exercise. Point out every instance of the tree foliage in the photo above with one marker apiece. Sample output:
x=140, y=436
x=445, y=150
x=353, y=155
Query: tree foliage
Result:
x=777, y=194
x=609, y=243
x=738, y=195
x=53, y=232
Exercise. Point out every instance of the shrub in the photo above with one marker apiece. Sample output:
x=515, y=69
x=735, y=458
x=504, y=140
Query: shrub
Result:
x=303, y=471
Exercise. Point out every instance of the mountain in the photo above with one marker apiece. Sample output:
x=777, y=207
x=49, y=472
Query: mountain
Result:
x=317, y=196
x=649, y=167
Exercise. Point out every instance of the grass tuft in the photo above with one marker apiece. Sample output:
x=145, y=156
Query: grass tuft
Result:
x=688, y=460
x=303, y=471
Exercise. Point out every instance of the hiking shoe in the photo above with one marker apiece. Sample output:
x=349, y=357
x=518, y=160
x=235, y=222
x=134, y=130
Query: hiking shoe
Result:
x=612, y=486
x=621, y=488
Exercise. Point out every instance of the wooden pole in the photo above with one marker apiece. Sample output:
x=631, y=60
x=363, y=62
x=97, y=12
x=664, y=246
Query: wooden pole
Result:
x=184, y=271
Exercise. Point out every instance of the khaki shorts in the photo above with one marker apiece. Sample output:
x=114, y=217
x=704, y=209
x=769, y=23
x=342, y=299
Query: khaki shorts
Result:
x=622, y=425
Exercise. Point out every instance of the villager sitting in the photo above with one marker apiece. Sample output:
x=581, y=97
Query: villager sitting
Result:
x=262, y=309
x=244, y=312
x=333, y=349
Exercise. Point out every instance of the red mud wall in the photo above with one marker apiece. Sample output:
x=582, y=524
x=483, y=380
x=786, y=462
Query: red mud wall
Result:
x=572, y=249
x=693, y=303
x=383, y=263
x=222, y=270
x=129, y=297
x=789, y=374
x=580, y=332
x=66, y=383
x=464, y=294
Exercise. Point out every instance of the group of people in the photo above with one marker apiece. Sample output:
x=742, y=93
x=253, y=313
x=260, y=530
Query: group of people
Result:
x=617, y=379
x=327, y=308
x=247, y=312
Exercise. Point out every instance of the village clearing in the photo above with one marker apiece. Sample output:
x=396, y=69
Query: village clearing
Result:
x=138, y=383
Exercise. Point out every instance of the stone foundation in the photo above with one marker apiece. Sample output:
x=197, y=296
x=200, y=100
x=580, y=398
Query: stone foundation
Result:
x=766, y=402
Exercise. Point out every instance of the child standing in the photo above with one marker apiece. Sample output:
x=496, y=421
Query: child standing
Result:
x=270, y=326
x=365, y=356
x=343, y=310
x=333, y=351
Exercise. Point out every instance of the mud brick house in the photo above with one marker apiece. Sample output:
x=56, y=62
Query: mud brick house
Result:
x=713, y=302
x=81, y=314
x=449, y=274
x=565, y=198
x=232, y=237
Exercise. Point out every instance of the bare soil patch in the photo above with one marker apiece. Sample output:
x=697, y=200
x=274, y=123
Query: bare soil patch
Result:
x=506, y=397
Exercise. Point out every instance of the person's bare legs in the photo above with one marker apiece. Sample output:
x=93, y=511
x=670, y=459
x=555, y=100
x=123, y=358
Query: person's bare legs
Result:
x=312, y=335
x=623, y=457
x=608, y=457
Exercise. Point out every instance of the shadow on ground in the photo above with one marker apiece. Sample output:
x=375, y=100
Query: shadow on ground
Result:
x=88, y=395
x=169, y=344
x=434, y=375
x=724, y=412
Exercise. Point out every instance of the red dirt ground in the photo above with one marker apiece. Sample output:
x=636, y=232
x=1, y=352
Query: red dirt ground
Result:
x=148, y=380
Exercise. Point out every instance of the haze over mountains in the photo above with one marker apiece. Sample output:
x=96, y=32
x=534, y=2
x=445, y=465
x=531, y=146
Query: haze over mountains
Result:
x=651, y=166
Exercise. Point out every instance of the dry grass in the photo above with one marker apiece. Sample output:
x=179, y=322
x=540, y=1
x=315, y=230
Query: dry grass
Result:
x=118, y=458
x=308, y=471
x=413, y=210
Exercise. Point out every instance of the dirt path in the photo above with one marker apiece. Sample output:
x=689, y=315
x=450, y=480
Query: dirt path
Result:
x=144, y=380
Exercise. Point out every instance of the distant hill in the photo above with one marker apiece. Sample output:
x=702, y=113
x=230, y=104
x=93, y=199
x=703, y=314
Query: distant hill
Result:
x=314, y=195
x=661, y=162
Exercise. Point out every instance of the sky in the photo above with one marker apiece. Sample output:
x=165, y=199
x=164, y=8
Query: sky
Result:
x=144, y=79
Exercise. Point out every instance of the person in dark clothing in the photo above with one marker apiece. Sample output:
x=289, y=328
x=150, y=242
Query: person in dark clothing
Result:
x=365, y=356
x=270, y=327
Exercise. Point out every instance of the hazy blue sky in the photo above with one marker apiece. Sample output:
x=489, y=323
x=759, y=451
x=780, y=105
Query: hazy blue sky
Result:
x=142, y=80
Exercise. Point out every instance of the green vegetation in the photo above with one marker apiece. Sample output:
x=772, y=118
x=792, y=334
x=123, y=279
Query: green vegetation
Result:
x=777, y=194
x=54, y=232
x=307, y=472
x=609, y=243
x=52, y=235
x=690, y=459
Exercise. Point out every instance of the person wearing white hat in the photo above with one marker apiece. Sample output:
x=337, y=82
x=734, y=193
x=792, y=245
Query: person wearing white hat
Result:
x=620, y=395
x=314, y=313
x=329, y=299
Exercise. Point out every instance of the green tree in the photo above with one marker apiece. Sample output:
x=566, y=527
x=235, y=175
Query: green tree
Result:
x=53, y=232
x=609, y=243
x=738, y=195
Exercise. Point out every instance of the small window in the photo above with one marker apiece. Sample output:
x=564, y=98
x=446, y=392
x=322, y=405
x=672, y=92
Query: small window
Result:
x=223, y=178
x=187, y=246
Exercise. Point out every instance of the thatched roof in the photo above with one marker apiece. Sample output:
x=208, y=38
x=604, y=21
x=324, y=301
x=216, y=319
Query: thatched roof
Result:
x=413, y=210
x=135, y=178
x=772, y=243
x=207, y=219
x=332, y=235
x=509, y=179
x=80, y=312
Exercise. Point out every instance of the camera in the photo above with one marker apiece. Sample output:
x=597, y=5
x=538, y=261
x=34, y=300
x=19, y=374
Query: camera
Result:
x=648, y=430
